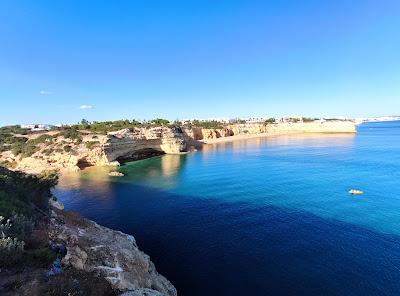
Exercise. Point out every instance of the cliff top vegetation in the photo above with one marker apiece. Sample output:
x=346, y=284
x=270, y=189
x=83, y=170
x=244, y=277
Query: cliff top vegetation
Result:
x=23, y=206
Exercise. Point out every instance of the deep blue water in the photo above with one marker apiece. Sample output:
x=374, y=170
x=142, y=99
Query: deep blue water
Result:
x=267, y=216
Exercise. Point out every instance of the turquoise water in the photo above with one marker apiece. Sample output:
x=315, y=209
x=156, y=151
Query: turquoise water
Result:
x=266, y=216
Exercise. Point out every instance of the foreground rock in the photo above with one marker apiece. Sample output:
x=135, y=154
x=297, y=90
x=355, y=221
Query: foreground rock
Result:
x=110, y=254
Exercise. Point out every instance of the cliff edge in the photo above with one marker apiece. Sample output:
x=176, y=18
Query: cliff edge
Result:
x=108, y=253
x=75, y=150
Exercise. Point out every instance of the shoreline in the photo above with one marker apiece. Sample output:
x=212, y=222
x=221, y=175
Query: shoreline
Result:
x=60, y=152
x=266, y=135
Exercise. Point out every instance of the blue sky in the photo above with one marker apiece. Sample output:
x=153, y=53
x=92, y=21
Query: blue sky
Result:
x=184, y=59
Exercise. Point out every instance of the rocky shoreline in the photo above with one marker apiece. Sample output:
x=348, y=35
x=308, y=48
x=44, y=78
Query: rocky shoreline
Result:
x=46, y=250
x=110, y=254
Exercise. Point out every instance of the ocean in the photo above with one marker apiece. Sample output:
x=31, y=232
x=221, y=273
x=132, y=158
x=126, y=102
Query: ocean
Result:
x=264, y=216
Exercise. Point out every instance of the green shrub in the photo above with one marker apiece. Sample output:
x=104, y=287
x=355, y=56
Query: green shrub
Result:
x=47, y=151
x=210, y=124
x=41, y=139
x=9, y=141
x=40, y=257
x=91, y=144
x=71, y=133
x=20, y=191
x=67, y=148
x=160, y=122
x=21, y=197
x=269, y=121
x=8, y=164
x=308, y=119
x=24, y=149
x=9, y=205
x=10, y=247
x=13, y=129
x=106, y=126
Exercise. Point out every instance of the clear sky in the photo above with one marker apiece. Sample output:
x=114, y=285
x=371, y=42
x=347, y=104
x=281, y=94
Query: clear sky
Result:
x=61, y=61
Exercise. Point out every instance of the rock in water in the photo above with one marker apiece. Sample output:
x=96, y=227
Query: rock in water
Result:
x=116, y=174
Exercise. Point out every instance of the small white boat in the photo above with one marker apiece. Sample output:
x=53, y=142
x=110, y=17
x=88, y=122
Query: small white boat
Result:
x=356, y=192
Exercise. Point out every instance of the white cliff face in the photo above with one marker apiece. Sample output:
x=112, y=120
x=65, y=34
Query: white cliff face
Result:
x=110, y=254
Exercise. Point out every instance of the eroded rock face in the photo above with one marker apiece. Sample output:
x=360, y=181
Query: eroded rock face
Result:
x=110, y=254
x=138, y=143
x=108, y=149
x=127, y=144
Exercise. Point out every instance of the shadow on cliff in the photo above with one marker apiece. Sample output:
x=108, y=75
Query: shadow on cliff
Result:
x=139, y=155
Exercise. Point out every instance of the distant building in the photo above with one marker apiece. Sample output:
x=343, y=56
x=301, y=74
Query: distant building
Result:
x=219, y=119
x=37, y=127
x=255, y=119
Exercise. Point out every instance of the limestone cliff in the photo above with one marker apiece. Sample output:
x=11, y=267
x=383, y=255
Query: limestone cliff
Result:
x=232, y=130
x=127, y=144
x=64, y=154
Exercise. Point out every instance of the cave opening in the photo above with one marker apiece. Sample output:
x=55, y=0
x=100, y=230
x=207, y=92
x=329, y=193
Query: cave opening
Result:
x=83, y=163
x=139, y=154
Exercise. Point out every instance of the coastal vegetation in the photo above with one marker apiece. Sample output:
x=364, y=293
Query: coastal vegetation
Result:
x=71, y=133
x=23, y=207
x=28, y=263
x=13, y=129
x=269, y=121
x=91, y=144
x=208, y=124
x=20, y=145
x=29, y=147
x=309, y=119
x=105, y=126
x=9, y=141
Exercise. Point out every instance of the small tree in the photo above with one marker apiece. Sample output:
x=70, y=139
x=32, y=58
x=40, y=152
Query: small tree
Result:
x=269, y=121
x=85, y=122
x=160, y=121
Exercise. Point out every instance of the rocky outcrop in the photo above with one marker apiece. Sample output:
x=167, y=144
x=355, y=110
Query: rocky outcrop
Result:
x=130, y=144
x=107, y=253
x=65, y=155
